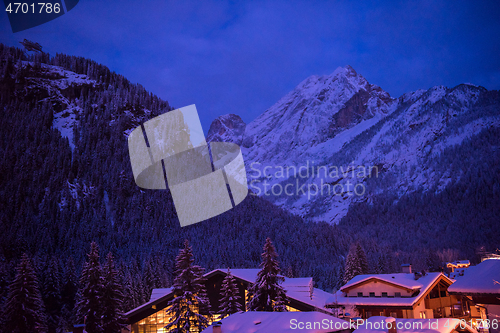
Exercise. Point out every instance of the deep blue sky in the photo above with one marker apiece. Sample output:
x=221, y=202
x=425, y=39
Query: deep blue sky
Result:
x=242, y=57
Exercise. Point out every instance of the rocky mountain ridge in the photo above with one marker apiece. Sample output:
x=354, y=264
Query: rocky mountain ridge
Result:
x=341, y=122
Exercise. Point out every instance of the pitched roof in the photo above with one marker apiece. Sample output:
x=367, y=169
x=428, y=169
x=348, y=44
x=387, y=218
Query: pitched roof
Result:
x=404, y=280
x=459, y=262
x=157, y=295
x=424, y=283
x=159, y=292
x=483, y=278
x=295, y=289
x=441, y=325
x=265, y=322
x=246, y=274
x=297, y=282
x=318, y=300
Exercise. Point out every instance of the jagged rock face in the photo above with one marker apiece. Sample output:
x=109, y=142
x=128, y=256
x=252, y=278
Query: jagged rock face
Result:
x=227, y=128
x=361, y=106
x=344, y=123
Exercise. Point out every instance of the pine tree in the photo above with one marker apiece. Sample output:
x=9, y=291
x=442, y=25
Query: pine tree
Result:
x=89, y=305
x=112, y=315
x=229, y=302
x=280, y=304
x=381, y=265
x=266, y=291
x=68, y=292
x=130, y=301
x=190, y=304
x=52, y=295
x=356, y=262
x=152, y=276
x=24, y=311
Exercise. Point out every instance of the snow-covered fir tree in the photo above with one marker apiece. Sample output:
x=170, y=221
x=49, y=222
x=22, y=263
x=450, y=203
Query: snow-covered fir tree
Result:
x=24, y=310
x=112, y=315
x=267, y=289
x=280, y=304
x=356, y=262
x=229, y=302
x=89, y=305
x=190, y=305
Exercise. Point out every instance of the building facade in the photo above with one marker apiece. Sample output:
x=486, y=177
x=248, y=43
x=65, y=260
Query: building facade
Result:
x=301, y=296
x=402, y=295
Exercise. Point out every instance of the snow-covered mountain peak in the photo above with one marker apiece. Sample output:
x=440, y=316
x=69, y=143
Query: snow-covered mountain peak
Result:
x=342, y=121
x=314, y=112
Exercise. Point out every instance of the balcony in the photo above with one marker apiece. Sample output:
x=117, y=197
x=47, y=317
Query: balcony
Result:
x=440, y=302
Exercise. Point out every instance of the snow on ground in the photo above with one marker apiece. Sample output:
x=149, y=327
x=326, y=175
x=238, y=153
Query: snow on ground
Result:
x=270, y=322
x=466, y=132
x=441, y=325
x=65, y=121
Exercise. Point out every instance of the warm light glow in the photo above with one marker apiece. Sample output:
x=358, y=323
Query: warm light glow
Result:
x=155, y=323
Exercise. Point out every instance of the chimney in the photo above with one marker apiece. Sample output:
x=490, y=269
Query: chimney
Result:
x=217, y=327
x=406, y=268
x=390, y=323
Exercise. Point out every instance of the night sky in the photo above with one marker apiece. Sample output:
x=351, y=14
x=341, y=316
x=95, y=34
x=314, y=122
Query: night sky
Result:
x=242, y=57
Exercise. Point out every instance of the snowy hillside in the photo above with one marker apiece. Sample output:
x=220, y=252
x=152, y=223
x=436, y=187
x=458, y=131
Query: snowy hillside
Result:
x=336, y=140
x=61, y=90
x=57, y=88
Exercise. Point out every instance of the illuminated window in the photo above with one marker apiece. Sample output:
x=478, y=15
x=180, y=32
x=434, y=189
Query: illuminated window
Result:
x=155, y=323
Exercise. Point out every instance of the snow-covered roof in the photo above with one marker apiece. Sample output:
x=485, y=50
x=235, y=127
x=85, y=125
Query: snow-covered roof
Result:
x=159, y=292
x=156, y=296
x=407, y=280
x=318, y=300
x=481, y=279
x=296, y=288
x=459, y=262
x=297, y=282
x=265, y=322
x=441, y=325
x=247, y=274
